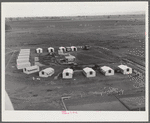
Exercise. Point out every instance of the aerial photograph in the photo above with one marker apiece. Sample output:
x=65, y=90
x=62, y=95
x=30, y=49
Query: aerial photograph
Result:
x=75, y=56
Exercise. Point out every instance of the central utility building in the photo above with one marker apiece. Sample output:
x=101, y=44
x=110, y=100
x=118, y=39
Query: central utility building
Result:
x=70, y=59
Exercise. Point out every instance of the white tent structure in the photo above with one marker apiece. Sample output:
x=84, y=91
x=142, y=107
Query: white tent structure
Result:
x=62, y=48
x=22, y=60
x=27, y=51
x=31, y=69
x=23, y=57
x=23, y=65
x=39, y=50
x=107, y=71
x=67, y=73
x=46, y=72
x=24, y=54
x=89, y=72
x=125, y=69
x=73, y=48
x=24, y=49
x=50, y=49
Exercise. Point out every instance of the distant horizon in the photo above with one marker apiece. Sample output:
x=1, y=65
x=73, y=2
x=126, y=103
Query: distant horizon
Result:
x=123, y=14
x=60, y=9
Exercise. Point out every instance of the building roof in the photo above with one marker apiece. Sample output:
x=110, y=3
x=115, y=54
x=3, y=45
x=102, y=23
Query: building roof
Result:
x=73, y=47
x=24, y=53
x=106, y=68
x=87, y=69
x=38, y=48
x=22, y=59
x=32, y=67
x=23, y=63
x=68, y=70
x=123, y=67
x=62, y=47
x=70, y=56
x=25, y=56
x=50, y=48
x=24, y=49
x=48, y=70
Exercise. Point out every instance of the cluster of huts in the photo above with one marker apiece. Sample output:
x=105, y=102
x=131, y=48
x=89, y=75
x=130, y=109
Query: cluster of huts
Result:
x=24, y=63
x=89, y=72
x=60, y=50
x=40, y=50
x=43, y=73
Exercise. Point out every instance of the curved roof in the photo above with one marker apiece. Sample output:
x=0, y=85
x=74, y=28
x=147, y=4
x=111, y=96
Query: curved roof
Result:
x=50, y=48
x=123, y=66
x=87, y=69
x=47, y=70
x=23, y=63
x=70, y=56
x=24, y=49
x=68, y=70
x=38, y=48
x=73, y=47
x=24, y=56
x=106, y=68
x=62, y=47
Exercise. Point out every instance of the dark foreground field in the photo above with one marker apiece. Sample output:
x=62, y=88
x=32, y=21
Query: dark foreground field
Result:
x=123, y=38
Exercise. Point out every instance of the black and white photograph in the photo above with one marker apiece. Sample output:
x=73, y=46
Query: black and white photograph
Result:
x=75, y=58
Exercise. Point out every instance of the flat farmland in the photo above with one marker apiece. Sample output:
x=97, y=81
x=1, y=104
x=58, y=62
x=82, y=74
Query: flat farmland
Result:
x=111, y=39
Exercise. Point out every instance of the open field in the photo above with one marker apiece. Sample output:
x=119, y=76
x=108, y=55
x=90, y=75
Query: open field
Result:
x=114, y=40
x=97, y=103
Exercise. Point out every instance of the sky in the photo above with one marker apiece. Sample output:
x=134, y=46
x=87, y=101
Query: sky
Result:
x=33, y=9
